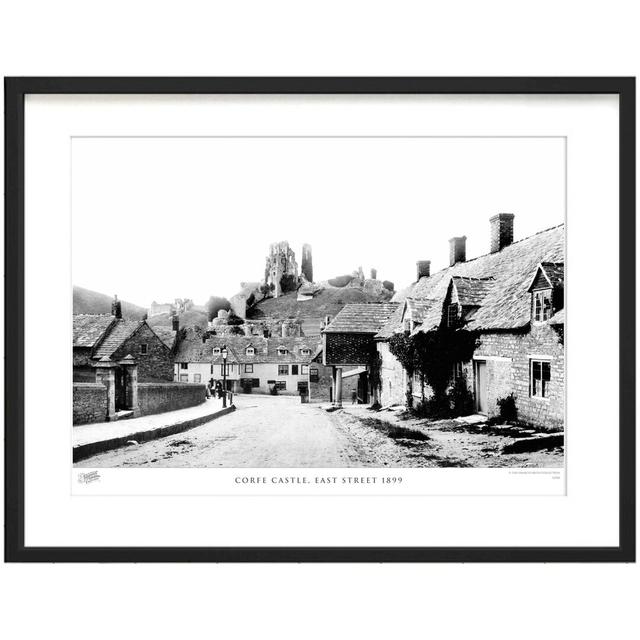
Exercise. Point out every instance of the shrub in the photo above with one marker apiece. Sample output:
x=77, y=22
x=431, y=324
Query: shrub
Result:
x=340, y=281
x=236, y=331
x=288, y=283
x=388, y=285
x=234, y=320
x=460, y=398
x=214, y=304
x=508, y=409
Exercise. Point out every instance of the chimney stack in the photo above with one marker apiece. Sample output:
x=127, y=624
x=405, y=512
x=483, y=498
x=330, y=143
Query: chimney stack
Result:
x=175, y=322
x=116, y=307
x=374, y=274
x=457, y=250
x=501, y=231
x=423, y=268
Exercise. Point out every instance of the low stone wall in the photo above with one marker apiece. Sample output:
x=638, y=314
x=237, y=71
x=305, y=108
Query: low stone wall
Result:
x=89, y=402
x=169, y=396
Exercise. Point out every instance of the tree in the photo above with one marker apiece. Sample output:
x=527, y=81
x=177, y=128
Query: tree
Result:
x=288, y=283
x=214, y=304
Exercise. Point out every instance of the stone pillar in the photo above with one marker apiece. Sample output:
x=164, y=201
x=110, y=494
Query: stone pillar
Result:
x=106, y=374
x=338, y=393
x=131, y=367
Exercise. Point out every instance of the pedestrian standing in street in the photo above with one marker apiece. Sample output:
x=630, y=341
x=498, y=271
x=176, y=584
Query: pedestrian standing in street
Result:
x=354, y=397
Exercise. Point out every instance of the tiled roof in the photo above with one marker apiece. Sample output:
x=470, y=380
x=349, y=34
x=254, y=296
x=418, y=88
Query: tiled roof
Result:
x=392, y=324
x=471, y=291
x=506, y=303
x=417, y=309
x=554, y=272
x=557, y=318
x=193, y=349
x=362, y=318
x=89, y=328
x=121, y=330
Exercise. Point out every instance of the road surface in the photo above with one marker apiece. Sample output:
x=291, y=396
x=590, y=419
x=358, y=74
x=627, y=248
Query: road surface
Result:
x=264, y=431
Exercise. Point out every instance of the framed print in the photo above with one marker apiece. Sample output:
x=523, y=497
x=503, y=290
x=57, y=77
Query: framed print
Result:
x=320, y=319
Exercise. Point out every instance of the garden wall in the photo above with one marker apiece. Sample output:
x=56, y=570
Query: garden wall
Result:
x=89, y=402
x=168, y=396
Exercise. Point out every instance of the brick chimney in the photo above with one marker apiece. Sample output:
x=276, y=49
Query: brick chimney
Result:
x=423, y=268
x=457, y=250
x=116, y=307
x=501, y=231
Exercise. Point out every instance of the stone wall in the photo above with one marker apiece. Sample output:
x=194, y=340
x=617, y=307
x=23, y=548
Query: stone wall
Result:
x=169, y=396
x=89, y=402
x=508, y=357
x=154, y=366
x=393, y=376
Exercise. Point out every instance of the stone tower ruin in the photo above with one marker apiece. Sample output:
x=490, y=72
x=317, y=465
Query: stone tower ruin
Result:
x=280, y=261
x=307, y=263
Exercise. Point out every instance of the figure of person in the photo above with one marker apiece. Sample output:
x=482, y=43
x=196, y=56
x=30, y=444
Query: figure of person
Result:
x=354, y=397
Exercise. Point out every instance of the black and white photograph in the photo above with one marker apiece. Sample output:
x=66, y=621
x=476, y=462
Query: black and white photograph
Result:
x=318, y=301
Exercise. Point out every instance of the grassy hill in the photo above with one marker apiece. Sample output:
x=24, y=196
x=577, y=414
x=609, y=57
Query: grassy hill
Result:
x=87, y=301
x=189, y=318
x=327, y=302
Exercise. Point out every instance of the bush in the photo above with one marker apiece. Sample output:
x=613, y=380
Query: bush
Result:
x=234, y=320
x=340, y=281
x=236, y=331
x=508, y=409
x=388, y=285
x=214, y=304
x=288, y=283
x=460, y=398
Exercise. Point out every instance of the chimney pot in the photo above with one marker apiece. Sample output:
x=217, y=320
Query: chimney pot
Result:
x=501, y=231
x=423, y=268
x=457, y=250
x=116, y=307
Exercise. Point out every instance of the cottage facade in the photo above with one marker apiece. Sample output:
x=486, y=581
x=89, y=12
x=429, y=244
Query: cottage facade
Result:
x=254, y=364
x=513, y=297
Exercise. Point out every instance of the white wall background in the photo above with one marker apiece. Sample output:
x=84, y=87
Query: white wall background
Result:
x=332, y=38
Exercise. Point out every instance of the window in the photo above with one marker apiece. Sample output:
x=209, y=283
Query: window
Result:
x=304, y=369
x=294, y=369
x=250, y=382
x=143, y=349
x=313, y=374
x=184, y=365
x=457, y=370
x=248, y=368
x=197, y=377
x=452, y=315
x=283, y=369
x=229, y=368
x=540, y=376
x=216, y=351
x=184, y=377
x=542, y=305
x=282, y=351
x=250, y=351
x=281, y=385
x=305, y=352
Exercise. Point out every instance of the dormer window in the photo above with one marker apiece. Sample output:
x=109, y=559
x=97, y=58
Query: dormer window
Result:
x=250, y=351
x=305, y=352
x=216, y=351
x=542, y=307
x=452, y=315
x=282, y=351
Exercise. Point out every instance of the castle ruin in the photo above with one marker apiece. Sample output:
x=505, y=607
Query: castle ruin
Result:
x=281, y=261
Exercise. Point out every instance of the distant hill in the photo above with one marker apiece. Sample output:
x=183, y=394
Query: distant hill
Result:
x=87, y=301
x=195, y=316
x=327, y=302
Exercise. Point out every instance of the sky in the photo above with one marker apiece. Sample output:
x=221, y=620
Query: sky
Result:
x=164, y=218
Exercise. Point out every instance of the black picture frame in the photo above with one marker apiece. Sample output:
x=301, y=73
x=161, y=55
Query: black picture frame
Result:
x=15, y=91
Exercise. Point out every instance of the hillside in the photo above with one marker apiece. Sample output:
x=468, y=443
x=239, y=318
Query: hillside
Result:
x=327, y=302
x=189, y=318
x=87, y=301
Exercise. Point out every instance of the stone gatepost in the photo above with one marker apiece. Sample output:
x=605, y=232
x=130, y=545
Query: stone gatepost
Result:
x=106, y=374
x=131, y=367
x=337, y=398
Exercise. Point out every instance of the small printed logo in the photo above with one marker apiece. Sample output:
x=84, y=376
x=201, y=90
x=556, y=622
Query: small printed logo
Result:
x=89, y=476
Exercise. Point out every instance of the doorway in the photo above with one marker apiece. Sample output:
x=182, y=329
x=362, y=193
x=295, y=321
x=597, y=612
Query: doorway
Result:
x=481, y=386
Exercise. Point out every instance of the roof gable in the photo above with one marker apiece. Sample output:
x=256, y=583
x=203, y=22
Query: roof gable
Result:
x=505, y=303
x=89, y=329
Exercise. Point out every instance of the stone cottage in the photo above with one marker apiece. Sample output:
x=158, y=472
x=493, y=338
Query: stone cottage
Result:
x=513, y=297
